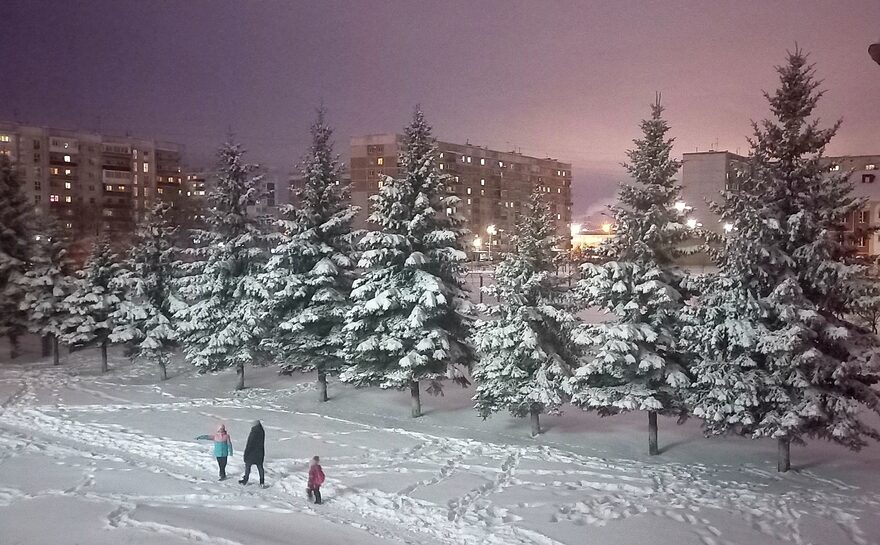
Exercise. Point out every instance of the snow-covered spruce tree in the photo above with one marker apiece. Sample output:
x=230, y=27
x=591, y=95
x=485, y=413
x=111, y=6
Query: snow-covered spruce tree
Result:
x=311, y=270
x=15, y=243
x=776, y=355
x=95, y=297
x=525, y=349
x=409, y=320
x=47, y=283
x=221, y=323
x=145, y=317
x=634, y=362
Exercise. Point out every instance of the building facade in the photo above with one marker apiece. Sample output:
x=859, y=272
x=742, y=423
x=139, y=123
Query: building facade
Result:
x=704, y=176
x=92, y=183
x=864, y=175
x=493, y=185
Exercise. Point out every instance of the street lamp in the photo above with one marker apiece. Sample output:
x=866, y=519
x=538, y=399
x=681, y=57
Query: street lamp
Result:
x=492, y=231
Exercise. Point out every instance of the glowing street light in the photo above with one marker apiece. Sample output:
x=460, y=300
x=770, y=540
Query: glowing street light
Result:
x=692, y=223
x=728, y=227
x=478, y=243
x=606, y=228
x=680, y=206
x=492, y=231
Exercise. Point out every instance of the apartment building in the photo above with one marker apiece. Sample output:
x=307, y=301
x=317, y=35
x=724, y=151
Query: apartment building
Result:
x=864, y=175
x=492, y=185
x=704, y=176
x=92, y=183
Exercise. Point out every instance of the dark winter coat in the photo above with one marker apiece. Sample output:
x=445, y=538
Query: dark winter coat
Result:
x=254, y=451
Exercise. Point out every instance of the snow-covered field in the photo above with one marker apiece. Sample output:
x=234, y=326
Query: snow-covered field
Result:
x=110, y=459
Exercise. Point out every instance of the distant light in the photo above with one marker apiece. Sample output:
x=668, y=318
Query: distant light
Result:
x=680, y=206
x=606, y=227
x=491, y=229
x=575, y=228
x=728, y=227
x=692, y=223
x=478, y=242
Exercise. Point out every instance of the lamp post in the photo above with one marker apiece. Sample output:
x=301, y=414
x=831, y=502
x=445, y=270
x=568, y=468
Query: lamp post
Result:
x=478, y=243
x=491, y=231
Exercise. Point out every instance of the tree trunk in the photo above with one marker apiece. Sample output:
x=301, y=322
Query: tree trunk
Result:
x=46, y=345
x=415, y=400
x=322, y=386
x=652, y=434
x=164, y=368
x=13, y=346
x=104, y=367
x=240, y=377
x=783, y=460
x=534, y=415
x=56, y=357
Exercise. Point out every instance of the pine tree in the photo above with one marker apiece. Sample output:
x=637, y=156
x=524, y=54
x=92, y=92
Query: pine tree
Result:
x=46, y=285
x=311, y=270
x=95, y=298
x=525, y=351
x=776, y=354
x=15, y=242
x=222, y=325
x=635, y=363
x=409, y=317
x=145, y=317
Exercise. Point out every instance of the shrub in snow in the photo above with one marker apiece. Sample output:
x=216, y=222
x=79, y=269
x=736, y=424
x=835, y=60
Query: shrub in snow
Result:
x=408, y=320
x=634, y=361
x=776, y=354
x=525, y=349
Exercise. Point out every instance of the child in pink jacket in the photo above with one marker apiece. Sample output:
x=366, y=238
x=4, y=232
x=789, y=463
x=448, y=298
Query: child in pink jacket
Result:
x=316, y=479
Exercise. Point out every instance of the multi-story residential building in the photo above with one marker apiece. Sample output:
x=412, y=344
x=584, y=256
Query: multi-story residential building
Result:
x=864, y=175
x=492, y=185
x=704, y=176
x=92, y=183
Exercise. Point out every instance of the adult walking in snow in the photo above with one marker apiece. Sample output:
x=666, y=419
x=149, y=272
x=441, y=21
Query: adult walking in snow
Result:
x=254, y=452
x=222, y=447
x=316, y=479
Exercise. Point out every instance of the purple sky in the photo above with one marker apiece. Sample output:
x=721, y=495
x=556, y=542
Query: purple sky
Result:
x=566, y=79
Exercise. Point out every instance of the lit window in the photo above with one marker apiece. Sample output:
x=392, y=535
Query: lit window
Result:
x=559, y=190
x=136, y=191
x=441, y=155
x=68, y=225
x=67, y=198
x=456, y=178
x=135, y=179
x=482, y=192
x=468, y=191
x=120, y=188
x=380, y=161
x=559, y=216
x=501, y=164
x=67, y=158
x=55, y=170
x=67, y=172
x=146, y=167
x=482, y=162
x=5, y=138
x=835, y=168
x=441, y=166
x=66, y=185
x=871, y=166
x=482, y=182
x=469, y=201
x=160, y=191
x=108, y=187
x=54, y=198
x=380, y=184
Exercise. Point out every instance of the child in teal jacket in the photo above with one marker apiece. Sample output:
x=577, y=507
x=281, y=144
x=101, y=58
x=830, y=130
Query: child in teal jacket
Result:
x=222, y=447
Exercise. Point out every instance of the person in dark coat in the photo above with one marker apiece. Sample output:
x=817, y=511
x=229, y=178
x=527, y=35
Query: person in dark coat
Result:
x=254, y=452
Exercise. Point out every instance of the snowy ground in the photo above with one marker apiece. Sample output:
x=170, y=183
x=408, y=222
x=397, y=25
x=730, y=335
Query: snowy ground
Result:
x=110, y=459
